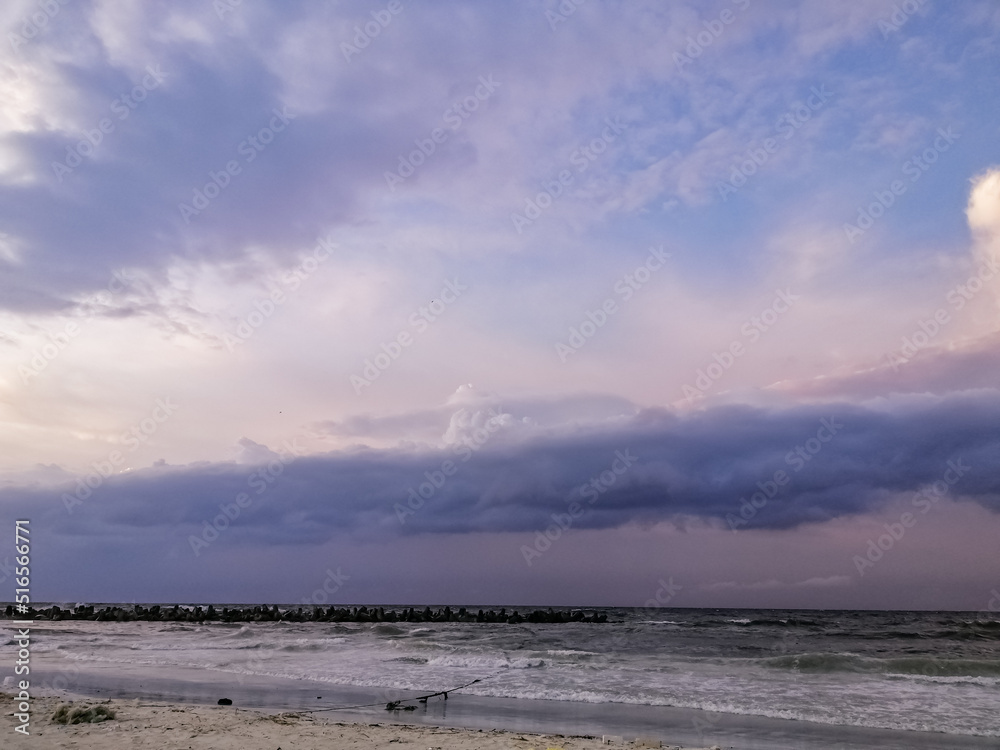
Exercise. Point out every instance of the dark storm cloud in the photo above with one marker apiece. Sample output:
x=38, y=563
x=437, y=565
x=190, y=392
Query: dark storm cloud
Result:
x=119, y=206
x=698, y=465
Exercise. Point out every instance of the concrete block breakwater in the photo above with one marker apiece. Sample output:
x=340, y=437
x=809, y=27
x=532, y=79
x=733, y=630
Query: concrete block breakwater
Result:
x=264, y=613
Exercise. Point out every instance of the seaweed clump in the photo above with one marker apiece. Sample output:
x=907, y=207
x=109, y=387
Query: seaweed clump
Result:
x=70, y=714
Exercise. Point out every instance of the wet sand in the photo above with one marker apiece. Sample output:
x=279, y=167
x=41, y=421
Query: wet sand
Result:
x=142, y=724
x=191, y=690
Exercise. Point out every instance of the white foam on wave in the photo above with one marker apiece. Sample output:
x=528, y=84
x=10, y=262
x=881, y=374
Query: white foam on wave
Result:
x=484, y=662
x=948, y=680
x=570, y=652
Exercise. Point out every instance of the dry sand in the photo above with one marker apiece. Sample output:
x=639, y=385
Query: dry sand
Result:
x=161, y=726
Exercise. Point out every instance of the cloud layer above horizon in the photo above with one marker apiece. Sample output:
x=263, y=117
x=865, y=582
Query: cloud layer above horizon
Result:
x=342, y=252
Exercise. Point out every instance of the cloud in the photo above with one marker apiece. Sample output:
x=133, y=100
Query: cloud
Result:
x=255, y=454
x=446, y=424
x=224, y=77
x=983, y=213
x=774, y=584
x=696, y=466
x=939, y=369
x=983, y=210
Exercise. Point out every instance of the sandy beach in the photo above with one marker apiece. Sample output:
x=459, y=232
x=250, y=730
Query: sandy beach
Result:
x=143, y=724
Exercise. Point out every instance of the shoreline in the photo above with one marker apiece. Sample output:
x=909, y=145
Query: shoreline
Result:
x=140, y=724
x=675, y=727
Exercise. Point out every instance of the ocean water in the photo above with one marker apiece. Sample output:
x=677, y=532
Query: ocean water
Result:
x=931, y=672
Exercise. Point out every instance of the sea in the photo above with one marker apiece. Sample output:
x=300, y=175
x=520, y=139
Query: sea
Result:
x=704, y=675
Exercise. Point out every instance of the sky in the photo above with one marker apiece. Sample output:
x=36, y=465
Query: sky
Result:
x=688, y=304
